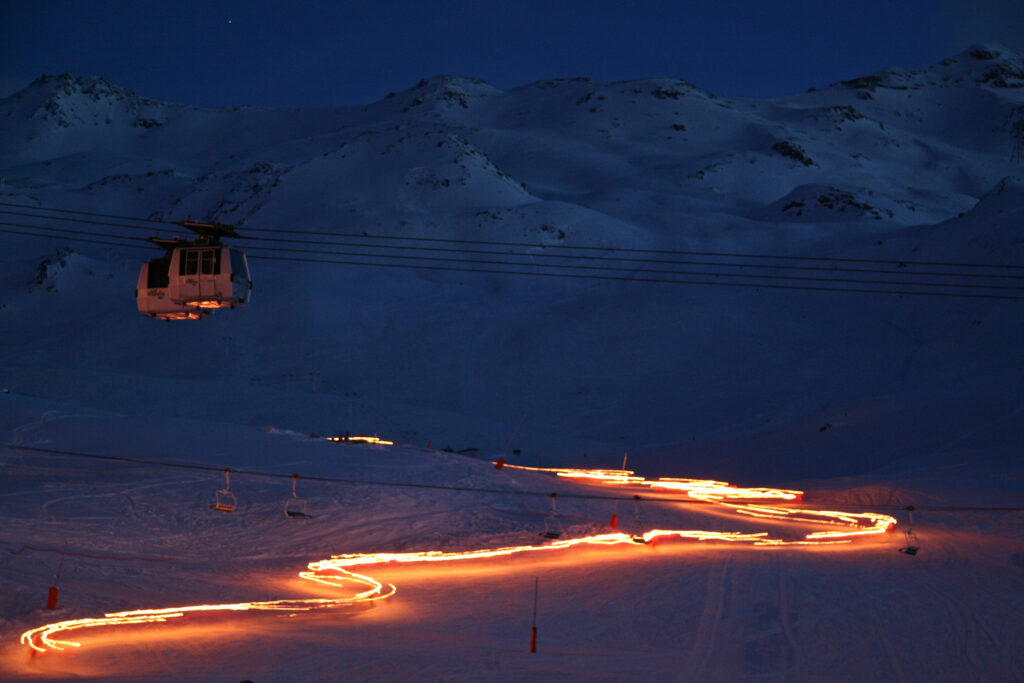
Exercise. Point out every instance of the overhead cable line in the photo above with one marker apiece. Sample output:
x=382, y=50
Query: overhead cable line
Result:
x=76, y=239
x=69, y=231
x=540, y=245
x=83, y=221
x=475, y=489
x=713, y=283
x=630, y=259
x=611, y=269
x=899, y=271
x=594, y=272
x=82, y=213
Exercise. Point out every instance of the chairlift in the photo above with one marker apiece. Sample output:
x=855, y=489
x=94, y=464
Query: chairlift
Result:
x=194, y=277
x=913, y=545
x=295, y=507
x=552, y=525
x=225, y=501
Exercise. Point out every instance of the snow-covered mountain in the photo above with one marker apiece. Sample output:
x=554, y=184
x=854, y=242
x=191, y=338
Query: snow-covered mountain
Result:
x=896, y=165
x=858, y=397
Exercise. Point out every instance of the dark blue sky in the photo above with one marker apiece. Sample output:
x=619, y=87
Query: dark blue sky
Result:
x=262, y=52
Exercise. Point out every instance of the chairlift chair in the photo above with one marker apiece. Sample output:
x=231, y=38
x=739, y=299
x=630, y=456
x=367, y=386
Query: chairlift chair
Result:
x=913, y=545
x=295, y=507
x=225, y=501
x=552, y=525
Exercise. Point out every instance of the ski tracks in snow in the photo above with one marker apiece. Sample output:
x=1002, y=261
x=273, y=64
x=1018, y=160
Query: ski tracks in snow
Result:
x=972, y=639
x=787, y=626
x=18, y=434
x=746, y=627
x=126, y=492
x=714, y=603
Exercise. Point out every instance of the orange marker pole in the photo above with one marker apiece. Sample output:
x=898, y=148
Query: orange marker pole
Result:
x=533, y=630
x=51, y=596
x=614, y=522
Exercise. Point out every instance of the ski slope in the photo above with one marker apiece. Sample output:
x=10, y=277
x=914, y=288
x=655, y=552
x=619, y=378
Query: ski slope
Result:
x=703, y=610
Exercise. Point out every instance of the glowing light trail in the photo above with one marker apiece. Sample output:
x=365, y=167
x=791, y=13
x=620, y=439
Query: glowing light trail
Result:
x=360, y=439
x=42, y=638
x=335, y=571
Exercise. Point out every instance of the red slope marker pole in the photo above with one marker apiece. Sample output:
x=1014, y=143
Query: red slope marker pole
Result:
x=51, y=596
x=614, y=522
x=533, y=630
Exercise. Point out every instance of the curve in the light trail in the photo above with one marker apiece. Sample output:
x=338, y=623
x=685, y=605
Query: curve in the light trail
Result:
x=336, y=571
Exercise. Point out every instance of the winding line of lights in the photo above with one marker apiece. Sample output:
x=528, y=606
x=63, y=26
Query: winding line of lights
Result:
x=336, y=570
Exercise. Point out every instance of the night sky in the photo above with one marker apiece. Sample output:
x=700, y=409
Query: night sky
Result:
x=273, y=53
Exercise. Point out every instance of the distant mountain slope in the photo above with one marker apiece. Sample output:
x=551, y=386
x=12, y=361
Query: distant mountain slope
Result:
x=896, y=166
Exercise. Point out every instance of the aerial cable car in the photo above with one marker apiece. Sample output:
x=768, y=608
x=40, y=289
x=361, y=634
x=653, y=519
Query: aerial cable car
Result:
x=295, y=507
x=194, y=277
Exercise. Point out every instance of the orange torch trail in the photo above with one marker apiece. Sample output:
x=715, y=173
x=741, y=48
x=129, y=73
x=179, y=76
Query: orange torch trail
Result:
x=336, y=570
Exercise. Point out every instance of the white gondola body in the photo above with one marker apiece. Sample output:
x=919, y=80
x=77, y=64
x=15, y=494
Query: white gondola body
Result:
x=193, y=281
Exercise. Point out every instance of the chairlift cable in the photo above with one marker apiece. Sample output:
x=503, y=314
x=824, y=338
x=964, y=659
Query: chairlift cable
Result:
x=468, y=489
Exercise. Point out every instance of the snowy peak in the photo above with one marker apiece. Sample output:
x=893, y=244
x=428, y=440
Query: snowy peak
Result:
x=70, y=101
x=983, y=65
x=448, y=93
x=1003, y=72
x=67, y=84
x=64, y=99
x=589, y=95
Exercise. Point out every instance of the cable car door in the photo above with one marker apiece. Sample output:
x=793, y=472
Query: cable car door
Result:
x=198, y=270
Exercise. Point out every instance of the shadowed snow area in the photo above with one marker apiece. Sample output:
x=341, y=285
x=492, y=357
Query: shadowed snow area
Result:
x=680, y=339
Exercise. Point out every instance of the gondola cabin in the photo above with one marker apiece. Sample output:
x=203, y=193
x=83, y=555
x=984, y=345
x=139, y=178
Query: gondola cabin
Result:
x=192, y=279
